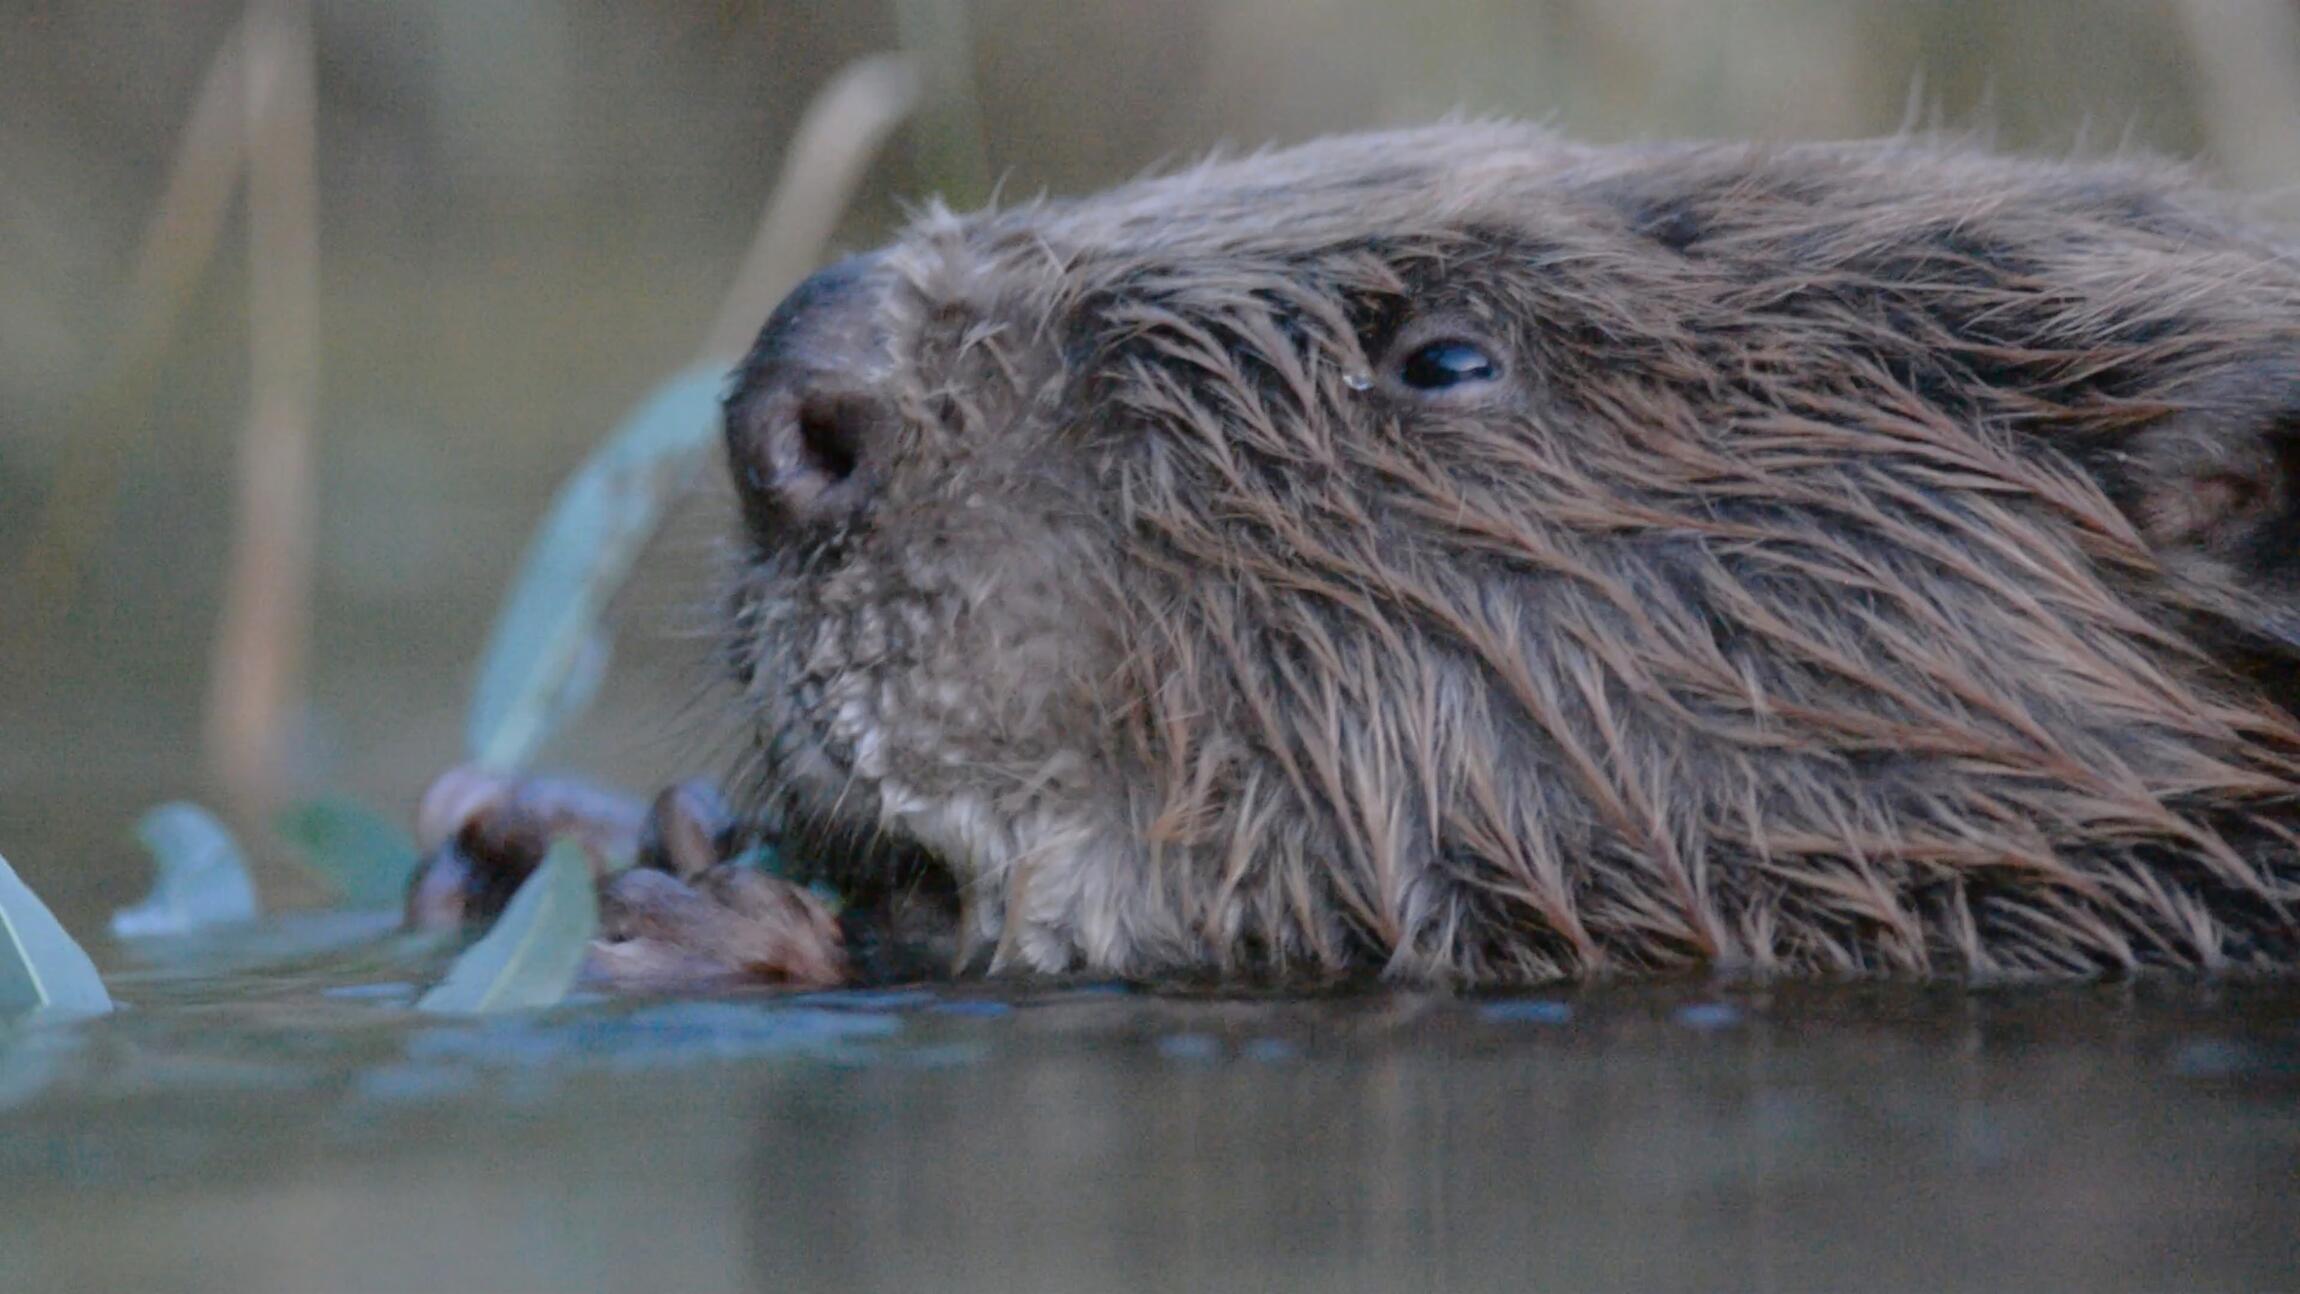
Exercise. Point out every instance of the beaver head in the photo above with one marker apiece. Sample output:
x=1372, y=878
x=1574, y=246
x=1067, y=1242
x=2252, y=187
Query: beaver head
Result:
x=1479, y=557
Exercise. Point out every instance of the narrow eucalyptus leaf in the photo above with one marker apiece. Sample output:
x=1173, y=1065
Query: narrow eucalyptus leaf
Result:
x=40, y=966
x=531, y=956
x=542, y=664
x=364, y=856
x=202, y=877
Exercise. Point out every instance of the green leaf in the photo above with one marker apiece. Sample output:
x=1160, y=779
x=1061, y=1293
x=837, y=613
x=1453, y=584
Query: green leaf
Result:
x=548, y=648
x=40, y=966
x=202, y=881
x=531, y=957
x=365, y=857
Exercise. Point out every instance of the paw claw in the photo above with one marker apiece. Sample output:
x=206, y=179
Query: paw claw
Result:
x=689, y=830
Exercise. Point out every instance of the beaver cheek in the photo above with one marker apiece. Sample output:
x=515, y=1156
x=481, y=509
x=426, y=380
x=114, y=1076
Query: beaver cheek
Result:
x=1002, y=710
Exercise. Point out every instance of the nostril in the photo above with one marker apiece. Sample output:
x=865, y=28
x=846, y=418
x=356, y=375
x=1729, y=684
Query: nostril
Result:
x=831, y=433
x=806, y=457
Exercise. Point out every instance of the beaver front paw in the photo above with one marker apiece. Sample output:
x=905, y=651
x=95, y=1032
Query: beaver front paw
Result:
x=731, y=922
x=674, y=906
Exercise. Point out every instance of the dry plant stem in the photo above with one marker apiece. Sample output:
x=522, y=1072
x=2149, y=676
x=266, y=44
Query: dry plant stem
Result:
x=256, y=674
x=179, y=243
x=841, y=132
x=948, y=141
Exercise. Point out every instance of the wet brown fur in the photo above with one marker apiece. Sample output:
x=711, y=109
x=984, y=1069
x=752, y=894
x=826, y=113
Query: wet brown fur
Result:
x=1867, y=564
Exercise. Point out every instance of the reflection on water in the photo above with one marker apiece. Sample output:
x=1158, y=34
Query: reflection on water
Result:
x=297, y=1128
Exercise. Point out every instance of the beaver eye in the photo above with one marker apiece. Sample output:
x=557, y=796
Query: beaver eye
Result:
x=1446, y=364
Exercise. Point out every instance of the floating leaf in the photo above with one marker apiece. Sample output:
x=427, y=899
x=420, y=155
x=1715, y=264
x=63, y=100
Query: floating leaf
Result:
x=202, y=881
x=531, y=957
x=366, y=857
x=40, y=966
x=547, y=651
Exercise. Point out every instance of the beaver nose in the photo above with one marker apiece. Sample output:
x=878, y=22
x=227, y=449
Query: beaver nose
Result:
x=809, y=421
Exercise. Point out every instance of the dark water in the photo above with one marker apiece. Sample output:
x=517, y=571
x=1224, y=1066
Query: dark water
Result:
x=298, y=1128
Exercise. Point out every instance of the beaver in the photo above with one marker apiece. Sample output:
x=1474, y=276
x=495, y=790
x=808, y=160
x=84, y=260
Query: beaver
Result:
x=1466, y=556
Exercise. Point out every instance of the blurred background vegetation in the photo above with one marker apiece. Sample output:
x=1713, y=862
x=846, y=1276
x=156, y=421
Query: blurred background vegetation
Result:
x=528, y=212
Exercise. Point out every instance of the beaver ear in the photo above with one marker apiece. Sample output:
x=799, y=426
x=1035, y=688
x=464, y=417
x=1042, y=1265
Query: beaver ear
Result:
x=2215, y=490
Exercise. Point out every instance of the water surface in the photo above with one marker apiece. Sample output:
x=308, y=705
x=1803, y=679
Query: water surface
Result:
x=297, y=1128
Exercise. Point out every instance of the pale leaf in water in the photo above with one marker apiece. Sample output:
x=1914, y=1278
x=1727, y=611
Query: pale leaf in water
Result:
x=40, y=966
x=544, y=658
x=365, y=857
x=532, y=955
x=202, y=878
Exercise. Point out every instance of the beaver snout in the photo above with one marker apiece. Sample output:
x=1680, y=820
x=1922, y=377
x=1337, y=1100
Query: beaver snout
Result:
x=810, y=420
